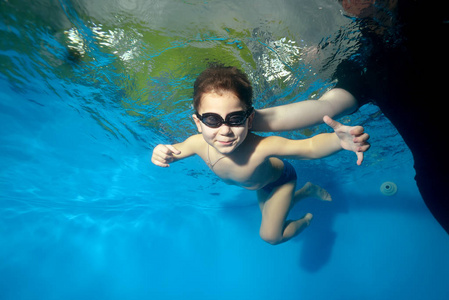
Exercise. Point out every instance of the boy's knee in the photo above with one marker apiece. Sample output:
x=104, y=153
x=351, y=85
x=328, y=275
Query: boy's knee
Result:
x=272, y=238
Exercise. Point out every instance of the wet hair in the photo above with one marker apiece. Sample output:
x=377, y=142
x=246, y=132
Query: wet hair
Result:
x=219, y=78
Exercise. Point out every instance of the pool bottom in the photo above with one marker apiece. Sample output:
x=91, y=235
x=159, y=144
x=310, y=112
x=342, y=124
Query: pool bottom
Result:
x=363, y=245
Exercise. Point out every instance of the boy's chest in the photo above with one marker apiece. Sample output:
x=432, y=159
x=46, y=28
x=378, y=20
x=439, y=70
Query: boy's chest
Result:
x=250, y=174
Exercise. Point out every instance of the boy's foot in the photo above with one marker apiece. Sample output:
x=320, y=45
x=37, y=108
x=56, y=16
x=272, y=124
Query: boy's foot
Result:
x=308, y=218
x=315, y=191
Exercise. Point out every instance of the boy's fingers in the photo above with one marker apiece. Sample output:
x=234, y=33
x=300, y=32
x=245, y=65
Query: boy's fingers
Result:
x=173, y=149
x=364, y=148
x=362, y=138
x=332, y=123
x=159, y=163
x=357, y=130
x=163, y=155
x=359, y=158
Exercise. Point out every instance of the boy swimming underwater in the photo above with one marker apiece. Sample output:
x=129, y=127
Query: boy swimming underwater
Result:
x=224, y=114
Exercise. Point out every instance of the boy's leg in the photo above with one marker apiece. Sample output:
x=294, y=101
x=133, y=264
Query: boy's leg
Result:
x=274, y=228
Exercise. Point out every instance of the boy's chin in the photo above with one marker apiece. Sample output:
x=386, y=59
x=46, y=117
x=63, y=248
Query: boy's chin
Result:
x=225, y=150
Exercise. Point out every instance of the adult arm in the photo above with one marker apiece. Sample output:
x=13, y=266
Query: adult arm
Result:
x=334, y=103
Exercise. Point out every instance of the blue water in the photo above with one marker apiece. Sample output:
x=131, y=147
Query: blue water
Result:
x=88, y=89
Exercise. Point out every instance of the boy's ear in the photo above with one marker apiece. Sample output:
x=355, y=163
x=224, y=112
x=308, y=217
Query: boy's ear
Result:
x=250, y=119
x=198, y=123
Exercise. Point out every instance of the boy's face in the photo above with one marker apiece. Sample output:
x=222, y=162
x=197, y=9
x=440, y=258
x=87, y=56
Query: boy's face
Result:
x=225, y=139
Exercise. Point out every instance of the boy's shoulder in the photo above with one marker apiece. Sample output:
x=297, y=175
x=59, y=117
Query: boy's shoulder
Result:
x=264, y=139
x=264, y=142
x=196, y=137
x=194, y=144
x=195, y=140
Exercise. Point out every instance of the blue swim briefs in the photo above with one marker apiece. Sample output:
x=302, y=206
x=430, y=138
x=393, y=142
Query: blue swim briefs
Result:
x=288, y=174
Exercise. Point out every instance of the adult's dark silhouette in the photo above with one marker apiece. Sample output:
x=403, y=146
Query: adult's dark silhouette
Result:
x=402, y=66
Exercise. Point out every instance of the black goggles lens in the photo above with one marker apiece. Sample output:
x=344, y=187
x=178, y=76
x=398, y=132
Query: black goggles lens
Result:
x=233, y=119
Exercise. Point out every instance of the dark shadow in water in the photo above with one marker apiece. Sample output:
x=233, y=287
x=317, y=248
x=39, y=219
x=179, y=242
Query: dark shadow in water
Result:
x=319, y=239
x=317, y=252
x=317, y=249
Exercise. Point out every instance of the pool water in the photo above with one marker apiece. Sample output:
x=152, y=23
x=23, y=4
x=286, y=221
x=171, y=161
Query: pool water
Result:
x=88, y=88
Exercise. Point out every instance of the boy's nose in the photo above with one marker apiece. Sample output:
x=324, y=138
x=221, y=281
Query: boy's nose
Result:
x=225, y=129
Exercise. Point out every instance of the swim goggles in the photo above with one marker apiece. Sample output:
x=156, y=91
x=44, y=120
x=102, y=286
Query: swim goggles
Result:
x=233, y=119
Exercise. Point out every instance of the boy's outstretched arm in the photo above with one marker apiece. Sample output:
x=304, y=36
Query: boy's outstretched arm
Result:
x=321, y=145
x=163, y=155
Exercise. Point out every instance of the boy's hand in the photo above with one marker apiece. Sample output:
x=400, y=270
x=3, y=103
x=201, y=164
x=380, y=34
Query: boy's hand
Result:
x=163, y=155
x=352, y=138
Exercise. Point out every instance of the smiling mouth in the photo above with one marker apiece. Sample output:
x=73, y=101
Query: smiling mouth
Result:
x=225, y=142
